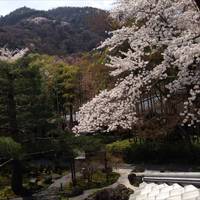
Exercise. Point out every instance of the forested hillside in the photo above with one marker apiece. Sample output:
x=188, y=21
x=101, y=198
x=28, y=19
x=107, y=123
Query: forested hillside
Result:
x=57, y=32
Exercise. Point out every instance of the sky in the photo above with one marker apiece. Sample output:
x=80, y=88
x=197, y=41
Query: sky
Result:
x=7, y=6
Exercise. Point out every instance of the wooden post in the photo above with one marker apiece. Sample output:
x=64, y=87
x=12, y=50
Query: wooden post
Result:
x=70, y=116
x=61, y=187
x=73, y=172
x=106, y=165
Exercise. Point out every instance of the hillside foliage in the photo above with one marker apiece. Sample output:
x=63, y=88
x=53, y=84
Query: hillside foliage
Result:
x=60, y=31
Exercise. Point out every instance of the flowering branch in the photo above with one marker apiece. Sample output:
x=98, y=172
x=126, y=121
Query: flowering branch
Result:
x=12, y=55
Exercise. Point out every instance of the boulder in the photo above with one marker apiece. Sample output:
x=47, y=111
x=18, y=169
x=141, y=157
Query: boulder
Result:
x=47, y=179
x=139, y=169
x=118, y=193
x=134, y=179
x=56, y=176
x=76, y=191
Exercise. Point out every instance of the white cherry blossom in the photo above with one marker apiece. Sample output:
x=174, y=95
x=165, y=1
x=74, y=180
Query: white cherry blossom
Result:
x=169, y=29
x=12, y=55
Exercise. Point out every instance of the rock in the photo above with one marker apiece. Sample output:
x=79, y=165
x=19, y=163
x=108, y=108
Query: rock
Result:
x=138, y=169
x=108, y=170
x=134, y=179
x=56, y=176
x=33, y=181
x=76, y=191
x=118, y=193
x=48, y=180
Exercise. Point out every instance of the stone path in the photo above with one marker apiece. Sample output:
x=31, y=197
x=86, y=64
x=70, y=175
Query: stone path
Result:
x=52, y=192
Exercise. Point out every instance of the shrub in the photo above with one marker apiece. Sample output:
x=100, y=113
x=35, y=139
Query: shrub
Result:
x=155, y=152
x=119, y=147
x=161, y=153
x=9, y=148
x=4, y=181
x=6, y=193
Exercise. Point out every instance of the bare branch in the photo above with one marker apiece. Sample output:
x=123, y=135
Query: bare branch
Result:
x=197, y=3
x=39, y=153
x=6, y=163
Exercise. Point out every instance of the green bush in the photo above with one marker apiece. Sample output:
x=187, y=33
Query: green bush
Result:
x=6, y=193
x=155, y=152
x=4, y=181
x=161, y=153
x=119, y=147
x=9, y=148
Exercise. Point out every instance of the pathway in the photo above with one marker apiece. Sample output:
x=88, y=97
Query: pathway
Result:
x=52, y=192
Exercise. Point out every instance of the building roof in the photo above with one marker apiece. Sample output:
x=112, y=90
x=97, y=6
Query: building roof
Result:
x=164, y=191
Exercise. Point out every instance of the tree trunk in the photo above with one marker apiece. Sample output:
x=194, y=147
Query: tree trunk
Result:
x=17, y=179
x=188, y=142
x=73, y=172
x=70, y=116
x=106, y=165
x=11, y=107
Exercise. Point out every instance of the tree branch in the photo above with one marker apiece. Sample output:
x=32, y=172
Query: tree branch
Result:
x=197, y=3
x=38, y=153
x=28, y=156
x=7, y=162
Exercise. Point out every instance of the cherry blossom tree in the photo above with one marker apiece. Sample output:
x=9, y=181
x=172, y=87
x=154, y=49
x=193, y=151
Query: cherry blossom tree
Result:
x=163, y=52
x=12, y=55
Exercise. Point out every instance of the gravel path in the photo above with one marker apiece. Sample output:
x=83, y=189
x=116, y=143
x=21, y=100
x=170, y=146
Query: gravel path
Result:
x=52, y=192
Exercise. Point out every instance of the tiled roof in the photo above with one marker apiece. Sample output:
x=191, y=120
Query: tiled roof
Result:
x=154, y=191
